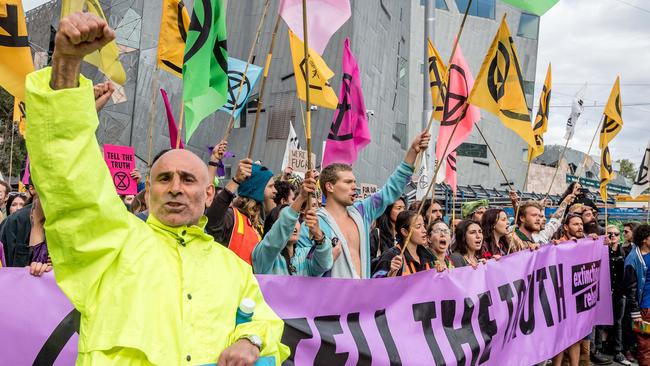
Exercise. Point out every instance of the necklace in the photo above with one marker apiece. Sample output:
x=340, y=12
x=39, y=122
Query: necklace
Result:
x=471, y=262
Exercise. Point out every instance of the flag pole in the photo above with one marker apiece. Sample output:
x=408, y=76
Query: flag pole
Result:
x=231, y=121
x=439, y=96
x=453, y=211
x=495, y=157
x=438, y=165
x=307, y=100
x=180, y=126
x=152, y=114
x=584, y=161
x=550, y=186
x=11, y=152
x=523, y=189
x=606, y=195
x=435, y=173
x=260, y=98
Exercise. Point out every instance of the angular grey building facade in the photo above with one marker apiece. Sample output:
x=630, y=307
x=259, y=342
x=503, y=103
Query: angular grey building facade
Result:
x=475, y=165
x=387, y=39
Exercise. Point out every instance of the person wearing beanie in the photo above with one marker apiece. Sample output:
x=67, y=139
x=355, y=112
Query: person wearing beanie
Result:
x=237, y=221
x=474, y=210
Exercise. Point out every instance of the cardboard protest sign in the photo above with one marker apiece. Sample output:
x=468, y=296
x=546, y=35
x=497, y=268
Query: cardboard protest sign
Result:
x=368, y=190
x=298, y=160
x=121, y=162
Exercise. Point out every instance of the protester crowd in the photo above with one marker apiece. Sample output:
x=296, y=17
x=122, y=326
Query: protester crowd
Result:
x=276, y=224
x=288, y=225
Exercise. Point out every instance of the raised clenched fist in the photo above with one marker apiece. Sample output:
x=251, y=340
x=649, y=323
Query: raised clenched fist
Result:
x=81, y=34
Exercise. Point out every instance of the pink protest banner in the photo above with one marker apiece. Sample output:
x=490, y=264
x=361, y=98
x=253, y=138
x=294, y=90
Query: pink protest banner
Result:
x=520, y=310
x=121, y=162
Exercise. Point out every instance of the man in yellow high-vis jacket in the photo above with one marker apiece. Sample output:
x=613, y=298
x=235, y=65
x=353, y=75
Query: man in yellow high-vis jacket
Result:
x=156, y=293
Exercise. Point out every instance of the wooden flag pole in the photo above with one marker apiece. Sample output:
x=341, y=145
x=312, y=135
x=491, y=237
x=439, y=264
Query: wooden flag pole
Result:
x=180, y=126
x=152, y=114
x=584, y=161
x=606, y=195
x=495, y=157
x=231, y=121
x=523, y=189
x=550, y=186
x=453, y=212
x=310, y=165
x=11, y=153
x=260, y=99
x=439, y=99
x=435, y=173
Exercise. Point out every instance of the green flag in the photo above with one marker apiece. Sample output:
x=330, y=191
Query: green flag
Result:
x=205, y=64
x=537, y=7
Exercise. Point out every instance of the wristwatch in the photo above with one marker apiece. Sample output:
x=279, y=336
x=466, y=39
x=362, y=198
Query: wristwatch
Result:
x=255, y=340
x=213, y=163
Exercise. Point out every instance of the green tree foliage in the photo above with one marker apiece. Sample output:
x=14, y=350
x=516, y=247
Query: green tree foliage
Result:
x=7, y=128
x=627, y=168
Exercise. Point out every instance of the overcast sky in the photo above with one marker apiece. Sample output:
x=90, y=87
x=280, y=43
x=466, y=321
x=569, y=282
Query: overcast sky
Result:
x=592, y=41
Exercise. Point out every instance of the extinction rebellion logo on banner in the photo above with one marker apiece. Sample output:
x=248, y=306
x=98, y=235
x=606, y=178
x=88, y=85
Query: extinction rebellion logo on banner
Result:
x=585, y=285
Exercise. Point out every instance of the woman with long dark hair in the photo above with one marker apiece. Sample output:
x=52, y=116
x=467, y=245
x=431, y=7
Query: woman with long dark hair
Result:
x=469, y=242
x=382, y=236
x=494, y=224
x=416, y=257
x=439, y=242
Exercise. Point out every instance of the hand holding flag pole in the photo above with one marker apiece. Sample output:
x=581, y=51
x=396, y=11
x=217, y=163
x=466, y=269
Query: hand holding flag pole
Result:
x=438, y=163
x=307, y=100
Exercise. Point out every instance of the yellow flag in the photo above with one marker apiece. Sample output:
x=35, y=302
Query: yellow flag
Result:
x=15, y=55
x=499, y=87
x=19, y=115
x=107, y=59
x=437, y=80
x=320, y=91
x=606, y=172
x=174, y=24
x=613, y=115
x=541, y=120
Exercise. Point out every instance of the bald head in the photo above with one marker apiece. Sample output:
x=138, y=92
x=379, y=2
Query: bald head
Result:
x=181, y=158
x=180, y=189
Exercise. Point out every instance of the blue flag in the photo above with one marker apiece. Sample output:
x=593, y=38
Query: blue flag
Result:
x=235, y=74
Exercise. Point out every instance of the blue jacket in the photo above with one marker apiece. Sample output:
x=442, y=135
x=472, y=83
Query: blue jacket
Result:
x=364, y=213
x=267, y=255
x=634, y=280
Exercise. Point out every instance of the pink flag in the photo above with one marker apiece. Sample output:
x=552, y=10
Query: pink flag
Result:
x=324, y=18
x=456, y=109
x=171, y=123
x=349, y=132
x=450, y=173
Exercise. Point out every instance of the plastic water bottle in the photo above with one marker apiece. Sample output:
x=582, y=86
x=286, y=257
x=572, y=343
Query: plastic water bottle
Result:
x=245, y=311
x=244, y=314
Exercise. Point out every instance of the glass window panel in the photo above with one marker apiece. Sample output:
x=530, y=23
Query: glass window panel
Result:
x=485, y=8
x=442, y=4
x=462, y=5
x=528, y=26
x=472, y=150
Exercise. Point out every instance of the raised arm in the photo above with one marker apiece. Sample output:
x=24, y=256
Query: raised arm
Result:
x=376, y=204
x=86, y=222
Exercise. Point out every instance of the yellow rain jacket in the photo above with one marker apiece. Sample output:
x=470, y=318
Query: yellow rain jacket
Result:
x=147, y=293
